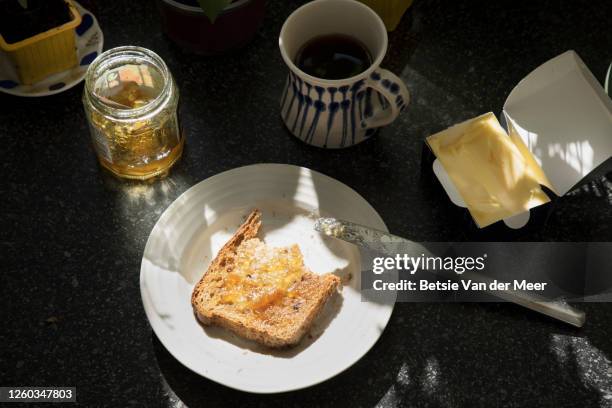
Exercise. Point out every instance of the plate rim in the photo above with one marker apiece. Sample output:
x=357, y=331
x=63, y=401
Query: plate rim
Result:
x=187, y=364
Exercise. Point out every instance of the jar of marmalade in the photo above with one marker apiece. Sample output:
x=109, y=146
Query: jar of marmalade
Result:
x=131, y=101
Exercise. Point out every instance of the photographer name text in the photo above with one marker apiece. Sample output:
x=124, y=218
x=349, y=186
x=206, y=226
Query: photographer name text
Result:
x=425, y=285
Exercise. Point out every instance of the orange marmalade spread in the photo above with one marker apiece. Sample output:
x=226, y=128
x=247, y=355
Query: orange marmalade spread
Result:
x=262, y=276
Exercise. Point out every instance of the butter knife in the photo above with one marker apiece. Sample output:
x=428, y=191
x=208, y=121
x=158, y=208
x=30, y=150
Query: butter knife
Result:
x=389, y=244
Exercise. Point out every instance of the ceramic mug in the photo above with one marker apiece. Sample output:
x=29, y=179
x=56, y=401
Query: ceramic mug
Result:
x=338, y=113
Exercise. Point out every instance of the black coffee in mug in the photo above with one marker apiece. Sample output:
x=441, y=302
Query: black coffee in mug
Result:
x=333, y=56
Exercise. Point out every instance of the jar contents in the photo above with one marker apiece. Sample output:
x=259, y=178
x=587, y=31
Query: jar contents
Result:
x=134, y=121
x=129, y=86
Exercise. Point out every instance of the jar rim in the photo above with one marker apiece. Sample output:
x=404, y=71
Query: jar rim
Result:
x=111, y=57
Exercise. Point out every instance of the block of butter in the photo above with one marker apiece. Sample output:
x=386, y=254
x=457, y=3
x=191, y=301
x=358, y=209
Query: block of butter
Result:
x=494, y=174
x=559, y=132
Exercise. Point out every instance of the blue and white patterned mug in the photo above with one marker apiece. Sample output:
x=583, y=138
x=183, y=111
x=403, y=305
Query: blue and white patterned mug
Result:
x=338, y=113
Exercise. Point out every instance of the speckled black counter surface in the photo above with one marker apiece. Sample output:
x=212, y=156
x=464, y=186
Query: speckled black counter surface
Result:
x=72, y=237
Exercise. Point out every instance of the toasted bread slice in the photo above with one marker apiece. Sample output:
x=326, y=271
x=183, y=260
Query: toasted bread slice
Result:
x=261, y=293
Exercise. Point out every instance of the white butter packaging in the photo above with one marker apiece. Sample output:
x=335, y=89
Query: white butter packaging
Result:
x=563, y=117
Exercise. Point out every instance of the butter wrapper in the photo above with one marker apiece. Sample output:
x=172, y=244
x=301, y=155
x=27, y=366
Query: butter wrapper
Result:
x=559, y=122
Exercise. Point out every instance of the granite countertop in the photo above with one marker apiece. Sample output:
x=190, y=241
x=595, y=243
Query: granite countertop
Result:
x=73, y=236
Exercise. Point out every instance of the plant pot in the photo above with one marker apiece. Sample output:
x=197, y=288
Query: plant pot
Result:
x=46, y=53
x=187, y=25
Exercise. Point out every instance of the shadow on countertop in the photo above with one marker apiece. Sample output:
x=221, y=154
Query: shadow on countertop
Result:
x=428, y=357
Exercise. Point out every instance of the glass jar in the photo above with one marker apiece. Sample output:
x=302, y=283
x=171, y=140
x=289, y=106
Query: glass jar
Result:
x=131, y=101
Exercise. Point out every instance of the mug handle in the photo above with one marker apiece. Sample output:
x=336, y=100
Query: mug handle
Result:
x=393, y=89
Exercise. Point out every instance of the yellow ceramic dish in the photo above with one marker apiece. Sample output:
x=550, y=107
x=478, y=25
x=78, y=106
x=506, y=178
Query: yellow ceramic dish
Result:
x=45, y=53
x=391, y=11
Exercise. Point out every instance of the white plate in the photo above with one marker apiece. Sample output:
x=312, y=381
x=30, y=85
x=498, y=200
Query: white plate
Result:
x=89, y=41
x=191, y=231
